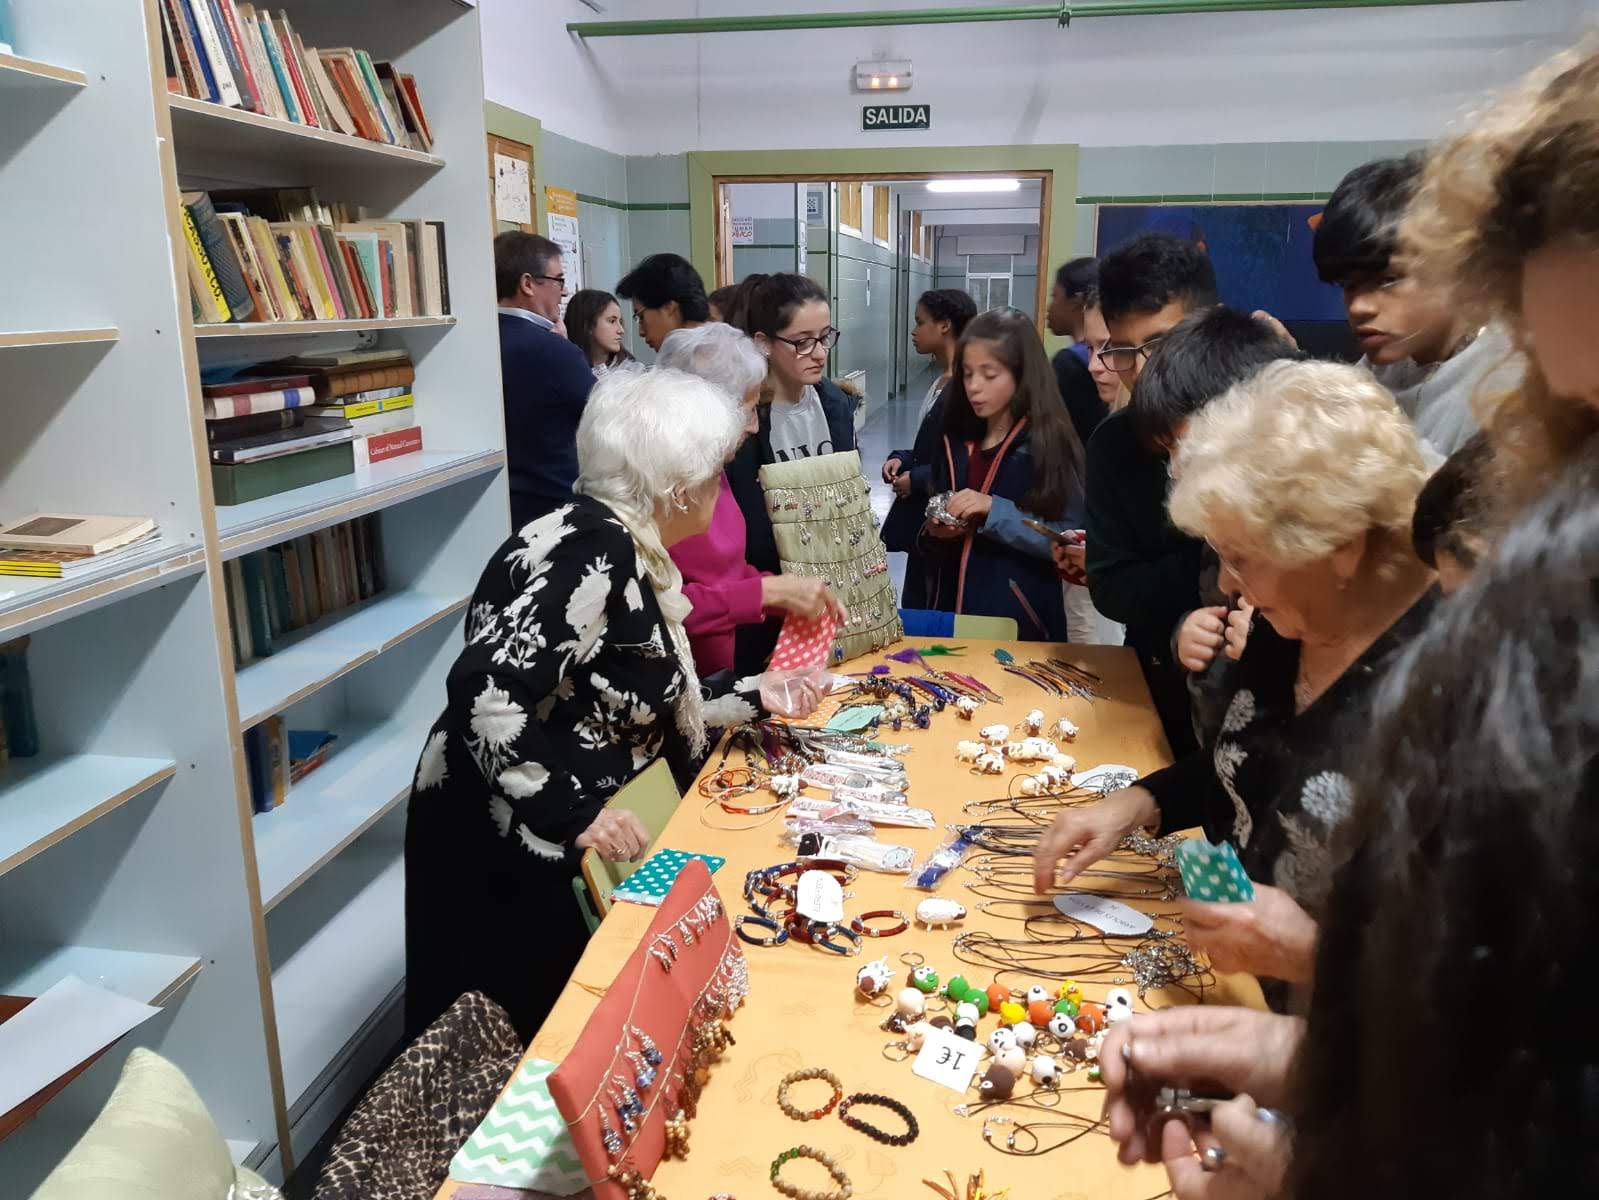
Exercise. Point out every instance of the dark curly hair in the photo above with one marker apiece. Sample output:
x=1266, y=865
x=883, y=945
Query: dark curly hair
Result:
x=949, y=304
x=1450, y=1049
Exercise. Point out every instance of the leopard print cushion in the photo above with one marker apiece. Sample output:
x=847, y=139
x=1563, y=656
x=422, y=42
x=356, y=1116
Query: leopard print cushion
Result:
x=398, y=1142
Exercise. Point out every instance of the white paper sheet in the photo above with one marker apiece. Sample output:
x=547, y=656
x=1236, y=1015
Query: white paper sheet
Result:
x=513, y=192
x=69, y=1023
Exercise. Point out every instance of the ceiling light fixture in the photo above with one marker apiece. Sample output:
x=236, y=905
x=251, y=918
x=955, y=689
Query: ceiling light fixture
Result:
x=974, y=185
x=883, y=76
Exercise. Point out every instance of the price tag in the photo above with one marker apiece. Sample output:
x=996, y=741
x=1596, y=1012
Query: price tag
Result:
x=820, y=897
x=1107, y=916
x=947, y=1059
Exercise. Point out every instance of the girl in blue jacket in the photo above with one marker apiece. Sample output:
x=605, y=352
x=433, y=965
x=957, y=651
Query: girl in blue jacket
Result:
x=1009, y=453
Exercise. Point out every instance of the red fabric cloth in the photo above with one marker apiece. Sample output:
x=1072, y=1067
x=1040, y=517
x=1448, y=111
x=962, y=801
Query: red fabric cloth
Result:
x=723, y=588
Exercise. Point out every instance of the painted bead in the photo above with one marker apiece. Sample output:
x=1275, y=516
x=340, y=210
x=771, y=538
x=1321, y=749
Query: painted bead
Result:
x=873, y=979
x=1045, y=1070
x=1039, y=1013
x=1076, y=1048
x=1026, y=1035
x=965, y=1030
x=994, y=735
x=1034, y=721
x=1037, y=992
x=1065, y=729
x=1001, y=1039
x=1119, y=998
x=997, y=995
x=1013, y=1060
x=911, y=1003
x=1070, y=991
x=1115, y=1013
x=968, y=751
x=990, y=763
x=966, y=1012
x=924, y=979
x=1061, y=1026
x=998, y=1083
x=978, y=1000
x=1069, y=1007
x=957, y=987
x=936, y=910
x=1012, y=1013
x=1090, y=1018
x=965, y=707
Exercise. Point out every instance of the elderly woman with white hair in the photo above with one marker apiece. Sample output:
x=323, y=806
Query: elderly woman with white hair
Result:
x=1303, y=479
x=575, y=676
x=725, y=590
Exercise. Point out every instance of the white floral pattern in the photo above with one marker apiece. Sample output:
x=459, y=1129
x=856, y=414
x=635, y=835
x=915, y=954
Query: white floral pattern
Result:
x=1229, y=757
x=1329, y=797
x=432, y=770
x=1240, y=712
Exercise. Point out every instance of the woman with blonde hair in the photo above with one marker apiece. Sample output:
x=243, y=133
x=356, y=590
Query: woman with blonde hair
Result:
x=1507, y=220
x=1302, y=478
x=576, y=675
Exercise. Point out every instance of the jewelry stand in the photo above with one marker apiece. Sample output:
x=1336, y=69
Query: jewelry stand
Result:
x=685, y=977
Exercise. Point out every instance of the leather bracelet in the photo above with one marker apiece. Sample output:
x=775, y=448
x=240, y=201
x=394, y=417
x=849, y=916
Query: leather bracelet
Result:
x=859, y=923
x=808, y=1114
x=816, y=933
x=871, y=1131
x=779, y=933
x=756, y=811
x=845, y=1188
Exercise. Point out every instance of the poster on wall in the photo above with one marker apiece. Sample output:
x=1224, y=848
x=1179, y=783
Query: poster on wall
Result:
x=513, y=193
x=743, y=231
x=560, y=206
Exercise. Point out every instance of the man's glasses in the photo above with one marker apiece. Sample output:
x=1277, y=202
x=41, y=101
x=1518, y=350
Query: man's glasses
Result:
x=560, y=279
x=807, y=345
x=1125, y=358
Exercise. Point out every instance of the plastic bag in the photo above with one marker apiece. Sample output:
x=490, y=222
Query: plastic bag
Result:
x=838, y=839
x=932, y=869
x=795, y=694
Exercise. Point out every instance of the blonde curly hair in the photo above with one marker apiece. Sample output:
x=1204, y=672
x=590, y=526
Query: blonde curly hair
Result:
x=1524, y=175
x=1305, y=456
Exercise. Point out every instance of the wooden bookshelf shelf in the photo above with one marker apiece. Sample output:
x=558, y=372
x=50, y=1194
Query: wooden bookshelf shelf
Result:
x=28, y=604
x=30, y=971
x=17, y=74
x=338, y=952
x=237, y=329
x=367, y=776
x=246, y=527
x=46, y=799
x=25, y=339
x=335, y=646
x=202, y=129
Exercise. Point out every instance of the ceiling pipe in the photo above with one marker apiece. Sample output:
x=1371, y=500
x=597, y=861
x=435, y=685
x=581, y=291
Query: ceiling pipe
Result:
x=1062, y=13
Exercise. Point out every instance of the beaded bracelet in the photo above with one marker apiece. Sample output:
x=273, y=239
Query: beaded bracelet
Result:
x=808, y=1114
x=845, y=1188
x=871, y=1131
x=882, y=914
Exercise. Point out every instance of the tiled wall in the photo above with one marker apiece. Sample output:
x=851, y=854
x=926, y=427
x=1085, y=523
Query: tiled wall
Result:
x=863, y=307
x=1239, y=171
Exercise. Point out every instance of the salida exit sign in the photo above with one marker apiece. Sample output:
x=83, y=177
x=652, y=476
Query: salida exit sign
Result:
x=896, y=116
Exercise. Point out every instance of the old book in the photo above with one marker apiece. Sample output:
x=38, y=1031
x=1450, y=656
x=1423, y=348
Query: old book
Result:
x=414, y=98
x=280, y=68
x=73, y=533
x=260, y=65
x=244, y=403
x=262, y=446
x=204, y=287
x=228, y=428
x=227, y=18
x=241, y=483
x=285, y=36
x=331, y=99
x=221, y=254
x=211, y=41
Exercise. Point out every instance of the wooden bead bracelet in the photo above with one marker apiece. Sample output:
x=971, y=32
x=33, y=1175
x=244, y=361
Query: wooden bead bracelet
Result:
x=845, y=1188
x=871, y=1131
x=808, y=1114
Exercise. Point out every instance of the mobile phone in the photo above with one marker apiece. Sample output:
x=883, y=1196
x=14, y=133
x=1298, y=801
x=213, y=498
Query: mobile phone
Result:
x=1069, y=537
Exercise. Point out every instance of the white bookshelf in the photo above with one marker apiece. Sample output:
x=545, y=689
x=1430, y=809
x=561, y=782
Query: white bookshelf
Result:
x=129, y=854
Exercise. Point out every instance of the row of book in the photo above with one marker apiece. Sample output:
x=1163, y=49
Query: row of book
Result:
x=279, y=254
x=276, y=426
x=71, y=545
x=273, y=592
x=277, y=757
x=243, y=57
x=19, y=730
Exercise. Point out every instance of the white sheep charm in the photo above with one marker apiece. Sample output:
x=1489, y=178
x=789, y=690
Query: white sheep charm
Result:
x=994, y=735
x=1065, y=730
x=938, y=913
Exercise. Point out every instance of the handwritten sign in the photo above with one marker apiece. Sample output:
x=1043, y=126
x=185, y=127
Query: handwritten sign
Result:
x=947, y=1059
x=743, y=231
x=1107, y=916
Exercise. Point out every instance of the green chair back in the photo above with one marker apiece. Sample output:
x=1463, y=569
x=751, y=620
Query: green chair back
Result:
x=992, y=629
x=653, y=797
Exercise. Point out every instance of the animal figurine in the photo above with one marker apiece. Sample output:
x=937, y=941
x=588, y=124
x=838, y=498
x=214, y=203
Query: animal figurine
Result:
x=1002, y=1039
x=1037, y=992
x=1013, y=1060
x=873, y=979
x=937, y=912
x=1065, y=729
x=1026, y=1035
x=1033, y=722
x=966, y=706
x=990, y=763
x=994, y=735
x=1060, y=1025
x=1044, y=1070
x=1118, y=1006
x=968, y=751
x=998, y=1083
x=924, y=979
x=1076, y=1048
x=1066, y=763
x=911, y=1003
x=1012, y=1013
x=966, y=1012
x=1091, y=1018
x=916, y=1035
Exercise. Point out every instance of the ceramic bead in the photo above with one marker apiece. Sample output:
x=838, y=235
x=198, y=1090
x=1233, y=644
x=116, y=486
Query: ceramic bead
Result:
x=1012, y=1013
x=968, y=751
x=998, y=993
x=1119, y=998
x=1001, y=1039
x=990, y=763
x=916, y=1035
x=957, y=987
x=1076, y=1048
x=1070, y=991
x=1039, y=1012
x=978, y=1000
x=1026, y=1035
x=1045, y=1070
x=925, y=979
x=994, y=735
x=1061, y=1026
x=1037, y=992
x=998, y=1083
x=1065, y=729
x=1033, y=722
x=873, y=979
x=1069, y=1007
x=1090, y=1018
x=966, y=1011
x=1013, y=1060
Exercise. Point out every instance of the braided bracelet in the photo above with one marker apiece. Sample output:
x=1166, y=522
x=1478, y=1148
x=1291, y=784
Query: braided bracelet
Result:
x=871, y=1131
x=808, y=1114
x=845, y=1188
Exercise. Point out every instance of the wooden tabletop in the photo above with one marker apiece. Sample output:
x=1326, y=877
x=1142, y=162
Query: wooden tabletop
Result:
x=802, y=1009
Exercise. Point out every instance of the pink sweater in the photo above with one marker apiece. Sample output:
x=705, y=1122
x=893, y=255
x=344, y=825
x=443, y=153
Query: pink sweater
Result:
x=724, y=589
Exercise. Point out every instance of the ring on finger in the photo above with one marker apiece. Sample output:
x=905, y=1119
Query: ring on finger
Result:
x=1212, y=1158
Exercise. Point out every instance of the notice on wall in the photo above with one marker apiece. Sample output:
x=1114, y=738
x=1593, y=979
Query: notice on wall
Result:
x=560, y=205
x=513, y=191
x=743, y=231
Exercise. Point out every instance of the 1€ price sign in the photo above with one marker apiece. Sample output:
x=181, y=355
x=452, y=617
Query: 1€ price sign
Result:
x=947, y=1059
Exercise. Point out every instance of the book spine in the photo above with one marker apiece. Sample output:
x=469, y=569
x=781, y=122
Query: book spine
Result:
x=280, y=590
x=333, y=262
x=305, y=551
x=338, y=111
x=266, y=84
x=227, y=89
x=380, y=447
x=169, y=65
x=241, y=611
x=255, y=605
x=291, y=581
x=198, y=256
x=266, y=253
x=277, y=741
x=224, y=262
x=197, y=44
x=261, y=300
x=375, y=90
x=280, y=72
x=292, y=66
x=220, y=407
x=238, y=60
x=318, y=103
x=292, y=274
x=255, y=768
x=374, y=543
x=172, y=24
x=225, y=429
x=444, y=270
x=408, y=82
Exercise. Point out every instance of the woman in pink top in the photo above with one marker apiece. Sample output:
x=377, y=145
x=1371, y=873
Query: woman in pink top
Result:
x=725, y=590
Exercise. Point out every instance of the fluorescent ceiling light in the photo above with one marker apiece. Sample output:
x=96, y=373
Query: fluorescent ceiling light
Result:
x=974, y=185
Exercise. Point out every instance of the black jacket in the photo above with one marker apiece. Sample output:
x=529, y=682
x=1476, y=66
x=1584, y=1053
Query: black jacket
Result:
x=546, y=380
x=1080, y=395
x=905, y=515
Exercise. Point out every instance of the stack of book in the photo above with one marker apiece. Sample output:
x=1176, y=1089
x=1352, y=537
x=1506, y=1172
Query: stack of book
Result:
x=273, y=592
x=274, y=427
x=277, y=757
x=19, y=730
x=69, y=545
x=282, y=255
x=243, y=57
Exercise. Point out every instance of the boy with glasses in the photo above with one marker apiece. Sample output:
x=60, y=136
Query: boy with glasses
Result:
x=667, y=294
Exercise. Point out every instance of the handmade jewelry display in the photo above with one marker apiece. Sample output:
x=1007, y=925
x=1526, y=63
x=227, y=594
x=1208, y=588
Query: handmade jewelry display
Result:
x=808, y=1114
x=869, y=1099
x=824, y=528
x=843, y=1192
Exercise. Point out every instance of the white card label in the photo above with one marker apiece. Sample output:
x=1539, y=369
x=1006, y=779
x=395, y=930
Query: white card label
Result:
x=820, y=897
x=947, y=1059
x=1107, y=916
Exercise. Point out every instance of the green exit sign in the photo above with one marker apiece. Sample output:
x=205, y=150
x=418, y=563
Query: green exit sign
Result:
x=896, y=116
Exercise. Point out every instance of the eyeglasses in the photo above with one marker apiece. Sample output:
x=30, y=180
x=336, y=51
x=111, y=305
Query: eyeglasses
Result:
x=1125, y=358
x=560, y=279
x=807, y=345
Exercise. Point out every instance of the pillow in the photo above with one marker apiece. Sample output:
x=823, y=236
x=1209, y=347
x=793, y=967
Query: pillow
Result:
x=154, y=1140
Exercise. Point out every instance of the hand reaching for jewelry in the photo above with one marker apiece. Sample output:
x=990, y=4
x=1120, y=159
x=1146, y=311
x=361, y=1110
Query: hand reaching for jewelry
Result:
x=1242, y=1156
x=617, y=834
x=1270, y=935
x=1083, y=836
x=808, y=598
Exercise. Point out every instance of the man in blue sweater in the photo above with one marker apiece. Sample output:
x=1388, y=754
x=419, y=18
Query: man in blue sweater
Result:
x=546, y=378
